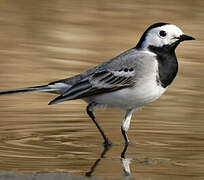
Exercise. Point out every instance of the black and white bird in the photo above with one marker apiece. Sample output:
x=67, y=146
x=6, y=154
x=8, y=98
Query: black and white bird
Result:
x=134, y=78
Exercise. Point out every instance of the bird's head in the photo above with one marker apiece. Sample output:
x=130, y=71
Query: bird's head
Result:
x=162, y=35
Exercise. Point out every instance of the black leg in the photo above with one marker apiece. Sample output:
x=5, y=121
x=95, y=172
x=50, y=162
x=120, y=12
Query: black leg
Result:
x=124, y=151
x=125, y=136
x=107, y=142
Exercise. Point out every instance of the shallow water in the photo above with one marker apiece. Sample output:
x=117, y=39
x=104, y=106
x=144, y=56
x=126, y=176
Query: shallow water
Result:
x=43, y=41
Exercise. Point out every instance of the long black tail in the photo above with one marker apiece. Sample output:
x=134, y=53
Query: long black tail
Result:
x=45, y=88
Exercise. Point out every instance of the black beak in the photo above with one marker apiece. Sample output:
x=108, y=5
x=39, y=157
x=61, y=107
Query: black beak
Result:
x=184, y=37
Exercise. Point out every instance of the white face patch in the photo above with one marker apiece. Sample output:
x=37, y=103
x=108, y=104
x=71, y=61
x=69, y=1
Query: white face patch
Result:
x=157, y=38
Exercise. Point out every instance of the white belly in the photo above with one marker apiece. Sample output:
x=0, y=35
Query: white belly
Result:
x=143, y=93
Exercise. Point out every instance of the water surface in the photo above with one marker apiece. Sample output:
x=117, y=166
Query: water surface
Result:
x=43, y=41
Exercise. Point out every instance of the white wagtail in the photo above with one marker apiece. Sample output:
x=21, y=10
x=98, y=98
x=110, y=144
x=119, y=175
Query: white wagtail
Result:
x=129, y=81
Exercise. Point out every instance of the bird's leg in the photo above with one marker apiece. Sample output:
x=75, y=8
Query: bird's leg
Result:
x=126, y=124
x=89, y=110
x=124, y=151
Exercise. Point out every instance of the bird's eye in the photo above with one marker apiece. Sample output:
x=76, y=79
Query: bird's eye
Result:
x=162, y=33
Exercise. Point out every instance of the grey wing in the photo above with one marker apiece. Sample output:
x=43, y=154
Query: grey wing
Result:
x=118, y=73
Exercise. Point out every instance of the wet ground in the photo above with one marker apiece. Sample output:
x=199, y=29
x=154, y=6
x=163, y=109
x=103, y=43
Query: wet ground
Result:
x=43, y=41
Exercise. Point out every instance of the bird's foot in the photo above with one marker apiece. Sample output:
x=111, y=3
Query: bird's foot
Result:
x=127, y=143
x=107, y=143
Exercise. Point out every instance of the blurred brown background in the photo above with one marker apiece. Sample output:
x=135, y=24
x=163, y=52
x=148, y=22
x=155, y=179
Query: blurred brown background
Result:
x=43, y=41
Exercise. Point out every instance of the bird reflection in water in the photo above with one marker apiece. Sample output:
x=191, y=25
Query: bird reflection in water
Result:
x=124, y=161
